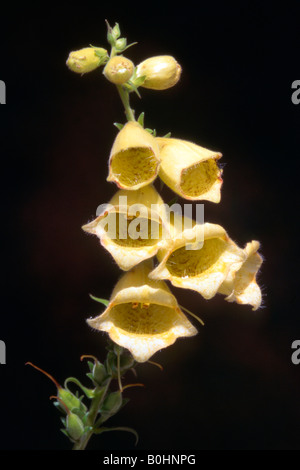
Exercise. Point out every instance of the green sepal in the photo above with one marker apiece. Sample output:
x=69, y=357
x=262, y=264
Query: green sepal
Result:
x=89, y=392
x=151, y=131
x=91, y=365
x=101, y=301
x=90, y=376
x=120, y=428
x=121, y=44
x=99, y=373
x=167, y=136
x=126, y=362
x=130, y=86
x=111, y=363
x=65, y=433
x=118, y=126
x=81, y=412
x=141, y=119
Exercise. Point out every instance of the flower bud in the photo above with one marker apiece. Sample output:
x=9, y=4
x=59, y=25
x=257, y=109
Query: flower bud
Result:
x=112, y=403
x=160, y=72
x=86, y=60
x=121, y=44
x=74, y=426
x=118, y=70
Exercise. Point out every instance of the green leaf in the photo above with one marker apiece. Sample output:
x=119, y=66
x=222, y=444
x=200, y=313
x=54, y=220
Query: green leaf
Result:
x=101, y=301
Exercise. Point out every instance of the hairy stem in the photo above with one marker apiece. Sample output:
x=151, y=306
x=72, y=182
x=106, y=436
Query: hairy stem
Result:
x=92, y=415
x=124, y=95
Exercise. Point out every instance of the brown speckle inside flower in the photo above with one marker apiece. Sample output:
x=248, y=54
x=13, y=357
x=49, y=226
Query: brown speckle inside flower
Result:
x=191, y=263
x=133, y=166
x=199, y=178
x=151, y=320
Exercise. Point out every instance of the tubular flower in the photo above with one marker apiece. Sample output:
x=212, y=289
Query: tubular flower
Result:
x=202, y=269
x=132, y=227
x=134, y=158
x=159, y=72
x=241, y=286
x=143, y=316
x=190, y=170
x=87, y=59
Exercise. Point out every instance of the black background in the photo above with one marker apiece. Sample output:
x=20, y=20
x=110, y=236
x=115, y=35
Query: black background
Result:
x=233, y=386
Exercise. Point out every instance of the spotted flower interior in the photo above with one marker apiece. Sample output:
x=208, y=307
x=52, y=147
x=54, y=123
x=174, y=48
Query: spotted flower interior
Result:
x=190, y=263
x=198, y=179
x=143, y=318
x=134, y=166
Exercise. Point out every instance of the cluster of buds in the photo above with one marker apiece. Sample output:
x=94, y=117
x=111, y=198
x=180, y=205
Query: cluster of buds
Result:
x=142, y=314
x=79, y=420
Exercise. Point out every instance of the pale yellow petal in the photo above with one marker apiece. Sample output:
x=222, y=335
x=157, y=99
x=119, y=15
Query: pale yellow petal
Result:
x=190, y=170
x=241, y=286
x=144, y=211
x=134, y=158
x=204, y=269
x=143, y=318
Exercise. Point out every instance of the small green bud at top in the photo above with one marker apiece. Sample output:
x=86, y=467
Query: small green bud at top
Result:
x=160, y=72
x=118, y=70
x=116, y=33
x=74, y=426
x=86, y=60
x=121, y=44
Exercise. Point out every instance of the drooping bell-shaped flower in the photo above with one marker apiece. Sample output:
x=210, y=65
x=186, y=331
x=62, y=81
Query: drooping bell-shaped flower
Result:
x=143, y=315
x=203, y=268
x=190, y=170
x=134, y=158
x=132, y=227
x=241, y=286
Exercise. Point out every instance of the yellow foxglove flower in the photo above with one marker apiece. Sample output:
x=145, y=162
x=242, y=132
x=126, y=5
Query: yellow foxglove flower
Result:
x=143, y=316
x=202, y=269
x=160, y=72
x=132, y=227
x=241, y=286
x=134, y=158
x=190, y=170
x=86, y=59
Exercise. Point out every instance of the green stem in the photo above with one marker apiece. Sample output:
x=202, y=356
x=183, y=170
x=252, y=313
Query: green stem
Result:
x=92, y=415
x=124, y=95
